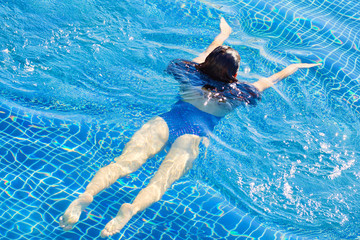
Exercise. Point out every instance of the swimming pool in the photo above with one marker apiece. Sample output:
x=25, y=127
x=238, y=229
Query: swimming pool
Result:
x=75, y=81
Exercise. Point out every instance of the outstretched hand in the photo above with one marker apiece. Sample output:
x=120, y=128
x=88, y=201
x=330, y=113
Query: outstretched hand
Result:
x=224, y=27
x=265, y=83
x=306, y=65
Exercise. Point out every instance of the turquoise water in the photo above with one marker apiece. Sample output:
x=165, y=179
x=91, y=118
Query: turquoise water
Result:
x=78, y=78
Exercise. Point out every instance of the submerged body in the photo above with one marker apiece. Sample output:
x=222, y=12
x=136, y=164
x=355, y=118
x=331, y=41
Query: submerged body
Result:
x=203, y=101
x=208, y=91
x=208, y=95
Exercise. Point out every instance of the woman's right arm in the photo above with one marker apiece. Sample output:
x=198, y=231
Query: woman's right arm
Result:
x=225, y=31
x=265, y=83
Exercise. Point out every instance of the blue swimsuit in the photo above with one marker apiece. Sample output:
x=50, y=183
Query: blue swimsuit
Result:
x=185, y=118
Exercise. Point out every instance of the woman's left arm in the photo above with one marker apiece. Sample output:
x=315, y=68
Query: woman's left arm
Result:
x=225, y=31
x=265, y=83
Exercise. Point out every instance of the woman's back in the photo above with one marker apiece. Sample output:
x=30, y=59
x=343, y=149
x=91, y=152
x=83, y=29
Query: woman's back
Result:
x=210, y=96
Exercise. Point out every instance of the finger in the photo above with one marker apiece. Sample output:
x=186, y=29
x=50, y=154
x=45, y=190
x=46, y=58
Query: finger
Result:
x=224, y=26
x=222, y=20
x=309, y=65
x=315, y=64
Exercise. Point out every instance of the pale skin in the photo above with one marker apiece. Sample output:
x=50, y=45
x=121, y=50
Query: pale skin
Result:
x=144, y=144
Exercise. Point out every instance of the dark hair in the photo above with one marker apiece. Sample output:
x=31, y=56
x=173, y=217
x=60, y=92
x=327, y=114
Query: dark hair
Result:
x=221, y=64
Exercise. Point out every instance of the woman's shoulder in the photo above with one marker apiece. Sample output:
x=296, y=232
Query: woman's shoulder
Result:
x=248, y=87
x=184, y=71
x=181, y=64
x=246, y=92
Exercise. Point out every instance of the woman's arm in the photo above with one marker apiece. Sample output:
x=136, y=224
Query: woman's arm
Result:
x=265, y=83
x=225, y=31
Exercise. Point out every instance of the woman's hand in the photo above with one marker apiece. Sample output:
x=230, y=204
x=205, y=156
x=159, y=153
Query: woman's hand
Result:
x=305, y=65
x=224, y=27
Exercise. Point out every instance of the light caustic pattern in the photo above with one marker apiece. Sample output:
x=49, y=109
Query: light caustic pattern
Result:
x=324, y=32
x=45, y=163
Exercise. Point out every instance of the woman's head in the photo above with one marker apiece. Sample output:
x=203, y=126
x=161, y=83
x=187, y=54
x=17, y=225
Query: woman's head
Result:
x=221, y=64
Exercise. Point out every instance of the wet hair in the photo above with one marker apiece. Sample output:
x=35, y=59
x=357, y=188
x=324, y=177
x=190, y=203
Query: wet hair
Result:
x=221, y=64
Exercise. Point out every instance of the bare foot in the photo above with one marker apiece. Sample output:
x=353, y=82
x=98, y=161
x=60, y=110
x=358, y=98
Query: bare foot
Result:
x=114, y=226
x=72, y=213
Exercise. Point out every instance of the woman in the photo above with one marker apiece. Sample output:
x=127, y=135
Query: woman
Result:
x=208, y=91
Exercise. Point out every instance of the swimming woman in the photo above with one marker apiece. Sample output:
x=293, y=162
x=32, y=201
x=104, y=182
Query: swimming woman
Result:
x=209, y=90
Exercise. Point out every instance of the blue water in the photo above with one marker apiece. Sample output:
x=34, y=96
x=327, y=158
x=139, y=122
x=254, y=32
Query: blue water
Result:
x=78, y=78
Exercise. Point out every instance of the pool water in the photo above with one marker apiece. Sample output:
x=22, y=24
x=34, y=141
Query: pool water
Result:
x=78, y=78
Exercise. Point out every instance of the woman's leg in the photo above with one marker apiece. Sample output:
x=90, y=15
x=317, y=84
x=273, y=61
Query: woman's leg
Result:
x=146, y=142
x=178, y=161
